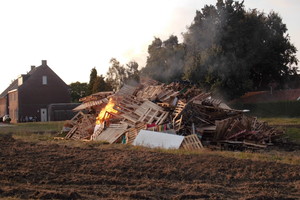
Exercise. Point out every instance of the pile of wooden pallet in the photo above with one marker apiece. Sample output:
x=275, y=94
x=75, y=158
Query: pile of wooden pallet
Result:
x=177, y=108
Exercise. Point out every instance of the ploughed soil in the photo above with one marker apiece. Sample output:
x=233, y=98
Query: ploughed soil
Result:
x=34, y=170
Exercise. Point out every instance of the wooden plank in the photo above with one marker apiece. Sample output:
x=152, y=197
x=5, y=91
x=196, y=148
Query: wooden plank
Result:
x=112, y=133
x=130, y=117
x=206, y=128
x=131, y=133
x=191, y=142
x=155, y=114
x=96, y=96
x=90, y=104
x=177, y=123
x=72, y=131
x=149, y=92
x=144, y=115
x=163, y=117
x=199, y=98
x=126, y=90
x=147, y=112
x=75, y=119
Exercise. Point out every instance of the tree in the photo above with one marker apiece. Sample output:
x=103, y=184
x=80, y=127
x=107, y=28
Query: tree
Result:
x=116, y=74
x=101, y=85
x=78, y=90
x=132, y=72
x=232, y=50
x=93, y=77
x=119, y=74
x=277, y=55
x=165, y=60
x=226, y=49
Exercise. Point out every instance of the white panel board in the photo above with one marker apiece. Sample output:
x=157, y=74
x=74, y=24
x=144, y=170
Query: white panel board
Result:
x=154, y=139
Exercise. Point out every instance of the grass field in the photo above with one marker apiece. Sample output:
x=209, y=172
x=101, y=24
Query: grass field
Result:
x=32, y=127
x=34, y=131
x=282, y=121
x=48, y=131
x=291, y=126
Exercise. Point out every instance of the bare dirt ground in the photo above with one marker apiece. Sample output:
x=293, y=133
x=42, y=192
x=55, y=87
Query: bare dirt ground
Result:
x=31, y=170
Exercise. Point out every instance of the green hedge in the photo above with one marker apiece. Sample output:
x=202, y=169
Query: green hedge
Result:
x=271, y=109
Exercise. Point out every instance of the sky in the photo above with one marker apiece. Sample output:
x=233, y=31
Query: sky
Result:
x=76, y=35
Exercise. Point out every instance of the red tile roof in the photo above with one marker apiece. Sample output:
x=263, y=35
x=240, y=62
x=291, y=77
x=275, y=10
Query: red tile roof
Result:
x=266, y=96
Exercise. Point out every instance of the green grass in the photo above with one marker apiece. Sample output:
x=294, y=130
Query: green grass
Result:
x=282, y=121
x=280, y=109
x=293, y=134
x=33, y=131
x=291, y=126
x=33, y=127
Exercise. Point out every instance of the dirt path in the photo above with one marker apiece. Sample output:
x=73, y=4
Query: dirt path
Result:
x=46, y=171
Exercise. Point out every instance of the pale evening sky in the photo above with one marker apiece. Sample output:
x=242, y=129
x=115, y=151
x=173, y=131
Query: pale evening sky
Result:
x=76, y=35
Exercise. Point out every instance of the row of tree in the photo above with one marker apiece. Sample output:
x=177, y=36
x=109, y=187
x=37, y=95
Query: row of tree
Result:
x=116, y=76
x=227, y=49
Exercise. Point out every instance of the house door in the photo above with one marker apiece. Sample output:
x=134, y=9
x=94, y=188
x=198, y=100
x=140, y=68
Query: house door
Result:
x=43, y=114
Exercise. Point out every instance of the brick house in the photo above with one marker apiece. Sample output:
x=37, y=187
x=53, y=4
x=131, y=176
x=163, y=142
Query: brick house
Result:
x=30, y=94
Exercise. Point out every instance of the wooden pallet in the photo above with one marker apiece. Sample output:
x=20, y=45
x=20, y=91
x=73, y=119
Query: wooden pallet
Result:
x=112, y=133
x=148, y=112
x=191, y=142
x=131, y=133
x=76, y=118
x=177, y=123
x=127, y=104
x=83, y=126
x=165, y=95
x=179, y=108
x=150, y=92
x=126, y=90
x=96, y=96
x=71, y=132
x=90, y=104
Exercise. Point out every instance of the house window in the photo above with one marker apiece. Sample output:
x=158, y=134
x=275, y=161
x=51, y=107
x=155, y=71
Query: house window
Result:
x=44, y=80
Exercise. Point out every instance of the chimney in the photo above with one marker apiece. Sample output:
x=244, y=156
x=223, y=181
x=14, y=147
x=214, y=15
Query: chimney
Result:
x=32, y=67
x=44, y=62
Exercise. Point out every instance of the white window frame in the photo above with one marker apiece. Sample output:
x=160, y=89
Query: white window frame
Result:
x=44, y=80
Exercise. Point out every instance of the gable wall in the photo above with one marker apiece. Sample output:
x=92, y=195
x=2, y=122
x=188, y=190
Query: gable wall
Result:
x=34, y=95
x=13, y=106
x=2, y=106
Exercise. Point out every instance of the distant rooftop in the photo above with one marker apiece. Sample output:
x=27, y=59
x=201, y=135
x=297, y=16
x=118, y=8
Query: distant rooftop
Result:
x=267, y=96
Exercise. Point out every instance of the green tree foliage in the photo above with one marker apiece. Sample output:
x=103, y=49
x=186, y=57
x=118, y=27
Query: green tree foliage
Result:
x=132, y=71
x=116, y=74
x=101, y=85
x=93, y=77
x=226, y=49
x=165, y=60
x=119, y=74
x=78, y=90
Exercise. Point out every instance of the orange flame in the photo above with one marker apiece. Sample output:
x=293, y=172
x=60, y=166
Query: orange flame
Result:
x=104, y=113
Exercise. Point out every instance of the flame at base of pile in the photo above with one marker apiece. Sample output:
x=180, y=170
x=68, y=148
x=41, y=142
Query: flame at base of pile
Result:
x=104, y=114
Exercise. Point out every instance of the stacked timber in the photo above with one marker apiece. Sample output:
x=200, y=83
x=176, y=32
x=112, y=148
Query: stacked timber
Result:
x=177, y=108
